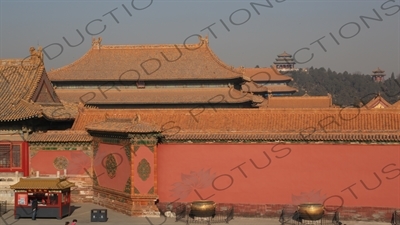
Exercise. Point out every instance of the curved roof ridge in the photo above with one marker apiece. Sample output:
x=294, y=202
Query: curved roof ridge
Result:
x=35, y=72
x=15, y=60
x=70, y=64
x=307, y=96
x=156, y=90
x=60, y=131
x=20, y=84
x=219, y=61
x=270, y=120
x=81, y=113
x=378, y=70
x=285, y=54
x=266, y=70
x=125, y=124
x=88, y=112
x=35, y=83
x=335, y=110
x=64, y=73
x=92, y=49
x=395, y=105
x=18, y=61
x=152, y=46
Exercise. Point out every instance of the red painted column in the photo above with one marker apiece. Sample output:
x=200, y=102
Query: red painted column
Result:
x=60, y=211
x=16, y=202
x=25, y=158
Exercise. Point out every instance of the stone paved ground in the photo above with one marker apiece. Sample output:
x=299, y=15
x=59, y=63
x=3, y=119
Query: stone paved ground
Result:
x=82, y=214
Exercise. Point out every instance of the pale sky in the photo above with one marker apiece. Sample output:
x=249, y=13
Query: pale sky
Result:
x=256, y=33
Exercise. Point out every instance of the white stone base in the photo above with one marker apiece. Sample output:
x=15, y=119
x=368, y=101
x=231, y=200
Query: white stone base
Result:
x=6, y=193
x=169, y=214
x=151, y=213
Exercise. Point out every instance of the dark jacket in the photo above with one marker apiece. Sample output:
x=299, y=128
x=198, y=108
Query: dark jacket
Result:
x=34, y=204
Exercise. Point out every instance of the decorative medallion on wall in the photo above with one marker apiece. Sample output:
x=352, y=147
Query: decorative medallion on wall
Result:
x=151, y=191
x=136, y=191
x=127, y=147
x=60, y=162
x=144, y=169
x=111, y=165
x=128, y=186
x=95, y=147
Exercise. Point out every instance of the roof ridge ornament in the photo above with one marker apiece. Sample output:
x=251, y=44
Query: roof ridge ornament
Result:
x=81, y=107
x=96, y=43
x=203, y=39
x=36, y=55
x=136, y=119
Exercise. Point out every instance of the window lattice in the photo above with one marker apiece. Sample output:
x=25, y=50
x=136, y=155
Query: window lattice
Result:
x=16, y=156
x=10, y=156
x=5, y=150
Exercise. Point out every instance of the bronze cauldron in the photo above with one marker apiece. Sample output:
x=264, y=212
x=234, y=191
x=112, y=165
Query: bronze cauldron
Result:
x=202, y=208
x=311, y=211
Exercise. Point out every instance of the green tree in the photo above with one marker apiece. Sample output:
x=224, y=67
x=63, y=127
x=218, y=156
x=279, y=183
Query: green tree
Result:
x=346, y=89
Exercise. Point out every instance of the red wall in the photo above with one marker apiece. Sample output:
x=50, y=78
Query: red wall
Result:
x=78, y=162
x=143, y=186
x=123, y=167
x=24, y=158
x=287, y=174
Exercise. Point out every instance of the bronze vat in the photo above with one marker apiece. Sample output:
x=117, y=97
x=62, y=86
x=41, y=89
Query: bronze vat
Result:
x=311, y=211
x=202, y=208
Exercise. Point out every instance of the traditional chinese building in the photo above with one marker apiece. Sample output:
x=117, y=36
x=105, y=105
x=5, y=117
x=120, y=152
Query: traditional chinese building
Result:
x=25, y=92
x=276, y=157
x=378, y=75
x=378, y=102
x=28, y=104
x=237, y=148
x=53, y=196
x=267, y=82
x=152, y=76
x=165, y=76
x=305, y=101
x=284, y=62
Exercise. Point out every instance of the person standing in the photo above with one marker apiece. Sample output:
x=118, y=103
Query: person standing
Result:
x=34, y=208
x=74, y=222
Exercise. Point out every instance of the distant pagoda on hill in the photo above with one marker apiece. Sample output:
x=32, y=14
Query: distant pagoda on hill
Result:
x=285, y=62
x=378, y=75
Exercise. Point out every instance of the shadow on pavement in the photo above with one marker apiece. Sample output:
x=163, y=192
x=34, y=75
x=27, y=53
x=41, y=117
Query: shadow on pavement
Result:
x=73, y=208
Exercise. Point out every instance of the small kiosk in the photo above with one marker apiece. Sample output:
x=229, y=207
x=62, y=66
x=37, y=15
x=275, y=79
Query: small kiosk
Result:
x=53, y=195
